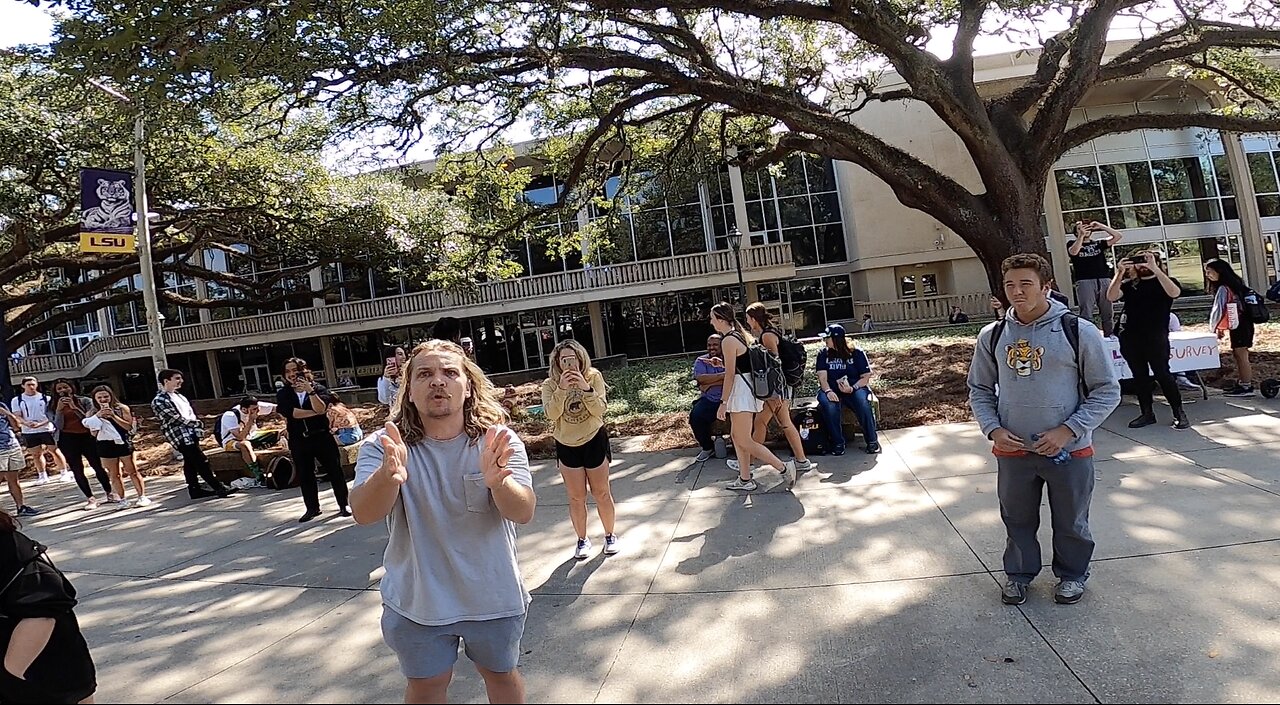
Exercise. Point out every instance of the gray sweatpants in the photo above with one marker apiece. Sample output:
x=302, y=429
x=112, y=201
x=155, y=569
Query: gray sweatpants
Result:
x=1019, y=486
x=1091, y=294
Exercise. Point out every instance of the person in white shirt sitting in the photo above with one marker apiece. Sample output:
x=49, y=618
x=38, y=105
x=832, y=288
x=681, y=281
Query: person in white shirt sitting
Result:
x=238, y=431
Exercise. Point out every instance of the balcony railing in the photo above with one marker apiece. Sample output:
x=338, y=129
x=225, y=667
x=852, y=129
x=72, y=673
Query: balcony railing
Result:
x=929, y=309
x=509, y=292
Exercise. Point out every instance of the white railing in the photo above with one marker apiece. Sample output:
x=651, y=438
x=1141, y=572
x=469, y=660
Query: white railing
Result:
x=374, y=311
x=929, y=309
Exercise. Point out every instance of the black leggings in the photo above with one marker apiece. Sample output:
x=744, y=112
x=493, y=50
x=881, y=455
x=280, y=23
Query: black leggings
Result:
x=308, y=452
x=1143, y=350
x=78, y=447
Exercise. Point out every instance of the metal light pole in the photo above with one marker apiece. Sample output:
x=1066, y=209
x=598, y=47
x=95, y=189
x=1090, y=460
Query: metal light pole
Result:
x=149, y=299
x=735, y=242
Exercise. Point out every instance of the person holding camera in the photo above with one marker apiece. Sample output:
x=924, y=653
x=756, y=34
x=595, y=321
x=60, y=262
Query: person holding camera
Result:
x=1148, y=293
x=310, y=442
x=33, y=410
x=574, y=397
x=112, y=427
x=1091, y=272
x=389, y=382
x=76, y=441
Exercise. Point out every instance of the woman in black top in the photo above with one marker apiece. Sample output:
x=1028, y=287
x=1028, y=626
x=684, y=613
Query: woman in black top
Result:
x=301, y=403
x=1148, y=294
x=46, y=659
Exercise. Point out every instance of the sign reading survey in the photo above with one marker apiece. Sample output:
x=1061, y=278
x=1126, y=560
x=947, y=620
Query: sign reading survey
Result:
x=106, y=211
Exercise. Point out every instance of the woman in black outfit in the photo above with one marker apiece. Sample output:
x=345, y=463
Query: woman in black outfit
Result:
x=302, y=404
x=1148, y=294
x=46, y=659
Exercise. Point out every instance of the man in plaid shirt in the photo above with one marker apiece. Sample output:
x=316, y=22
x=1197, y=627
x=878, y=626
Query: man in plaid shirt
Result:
x=179, y=424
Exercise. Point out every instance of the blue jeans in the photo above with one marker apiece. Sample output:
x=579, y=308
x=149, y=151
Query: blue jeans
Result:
x=701, y=418
x=860, y=403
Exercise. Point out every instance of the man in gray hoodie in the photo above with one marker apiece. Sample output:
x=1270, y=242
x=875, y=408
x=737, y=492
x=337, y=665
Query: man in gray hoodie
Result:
x=1040, y=383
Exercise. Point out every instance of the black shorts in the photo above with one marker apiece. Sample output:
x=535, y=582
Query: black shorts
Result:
x=591, y=454
x=35, y=440
x=111, y=449
x=1242, y=336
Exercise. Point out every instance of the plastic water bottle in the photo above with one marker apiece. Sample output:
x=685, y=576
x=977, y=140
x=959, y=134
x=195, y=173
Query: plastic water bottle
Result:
x=1061, y=458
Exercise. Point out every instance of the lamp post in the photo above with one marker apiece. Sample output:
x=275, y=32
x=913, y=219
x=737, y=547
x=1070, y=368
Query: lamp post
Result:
x=149, y=299
x=735, y=242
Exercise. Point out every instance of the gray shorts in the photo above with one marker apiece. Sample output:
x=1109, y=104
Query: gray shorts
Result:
x=12, y=460
x=426, y=652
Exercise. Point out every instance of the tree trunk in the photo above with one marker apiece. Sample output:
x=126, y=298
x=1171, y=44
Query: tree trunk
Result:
x=1012, y=231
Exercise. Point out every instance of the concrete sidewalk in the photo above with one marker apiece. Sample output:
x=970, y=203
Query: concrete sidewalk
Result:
x=872, y=582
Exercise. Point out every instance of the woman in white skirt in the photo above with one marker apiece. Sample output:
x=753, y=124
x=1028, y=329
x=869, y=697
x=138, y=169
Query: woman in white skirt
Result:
x=739, y=403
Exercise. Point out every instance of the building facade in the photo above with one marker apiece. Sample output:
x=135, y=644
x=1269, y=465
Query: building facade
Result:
x=826, y=242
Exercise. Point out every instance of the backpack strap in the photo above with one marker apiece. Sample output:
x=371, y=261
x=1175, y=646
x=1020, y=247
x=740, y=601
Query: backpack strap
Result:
x=1070, y=329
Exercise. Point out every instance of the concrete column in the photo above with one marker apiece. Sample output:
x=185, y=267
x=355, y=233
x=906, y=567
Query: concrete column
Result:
x=330, y=363
x=739, y=204
x=202, y=292
x=1056, y=231
x=317, y=284
x=215, y=372
x=104, y=322
x=753, y=293
x=1252, y=243
x=598, y=339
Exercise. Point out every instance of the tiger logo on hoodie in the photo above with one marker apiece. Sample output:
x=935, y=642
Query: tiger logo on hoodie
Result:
x=1023, y=359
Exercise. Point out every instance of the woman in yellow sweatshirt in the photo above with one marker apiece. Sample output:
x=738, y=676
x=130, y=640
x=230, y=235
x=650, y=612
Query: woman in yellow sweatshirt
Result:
x=574, y=400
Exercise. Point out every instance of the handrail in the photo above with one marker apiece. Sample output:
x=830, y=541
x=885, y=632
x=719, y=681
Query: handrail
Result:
x=371, y=311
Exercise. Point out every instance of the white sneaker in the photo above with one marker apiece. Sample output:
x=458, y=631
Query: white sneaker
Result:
x=66, y=476
x=733, y=464
x=789, y=472
x=704, y=456
x=42, y=478
x=584, y=549
x=144, y=501
x=611, y=544
x=739, y=484
x=91, y=504
x=805, y=465
x=124, y=504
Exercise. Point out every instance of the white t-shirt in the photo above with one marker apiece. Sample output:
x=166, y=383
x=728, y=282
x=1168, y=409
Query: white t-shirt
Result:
x=32, y=408
x=230, y=421
x=184, y=406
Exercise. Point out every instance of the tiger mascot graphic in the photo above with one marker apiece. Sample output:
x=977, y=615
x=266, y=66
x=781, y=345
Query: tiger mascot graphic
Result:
x=1023, y=359
x=114, y=209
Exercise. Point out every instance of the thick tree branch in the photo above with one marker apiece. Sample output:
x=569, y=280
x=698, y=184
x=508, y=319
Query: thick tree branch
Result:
x=1094, y=129
x=1184, y=41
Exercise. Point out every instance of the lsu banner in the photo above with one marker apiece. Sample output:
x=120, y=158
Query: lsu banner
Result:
x=106, y=211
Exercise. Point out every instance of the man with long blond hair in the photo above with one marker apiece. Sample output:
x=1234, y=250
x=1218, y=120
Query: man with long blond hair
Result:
x=573, y=397
x=452, y=481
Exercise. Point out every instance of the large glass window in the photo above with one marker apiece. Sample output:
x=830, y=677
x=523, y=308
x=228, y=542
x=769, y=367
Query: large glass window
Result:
x=807, y=306
x=796, y=202
x=1262, y=167
x=1186, y=258
x=657, y=218
x=1147, y=193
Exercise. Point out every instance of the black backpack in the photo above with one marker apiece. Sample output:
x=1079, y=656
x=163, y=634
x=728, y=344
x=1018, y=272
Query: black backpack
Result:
x=1070, y=329
x=1274, y=292
x=765, y=378
x=1253, y=307
x=38, y=588
x=792, y=355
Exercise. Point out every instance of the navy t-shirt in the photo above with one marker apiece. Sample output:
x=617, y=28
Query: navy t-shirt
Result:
x=836, y=367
